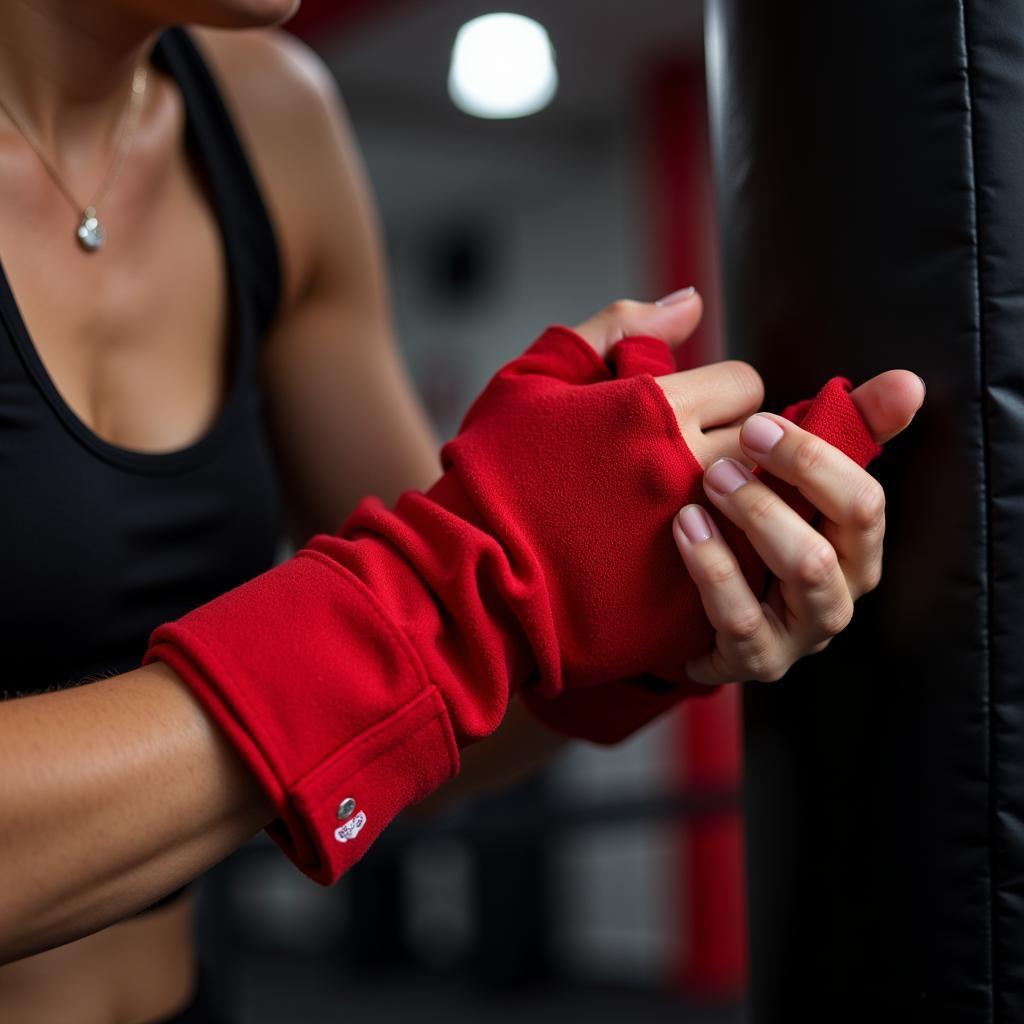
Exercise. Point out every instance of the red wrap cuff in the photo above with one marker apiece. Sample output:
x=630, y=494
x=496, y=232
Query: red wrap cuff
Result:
x=351, y=715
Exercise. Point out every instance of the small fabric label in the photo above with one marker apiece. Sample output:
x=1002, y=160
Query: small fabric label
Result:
x=350, y=829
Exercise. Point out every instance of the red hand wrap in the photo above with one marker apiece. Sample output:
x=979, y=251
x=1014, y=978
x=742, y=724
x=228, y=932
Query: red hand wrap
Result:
x=543, y=555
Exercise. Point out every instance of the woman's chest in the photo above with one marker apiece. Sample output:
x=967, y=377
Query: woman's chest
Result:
x=133, y=336
x=137, y=475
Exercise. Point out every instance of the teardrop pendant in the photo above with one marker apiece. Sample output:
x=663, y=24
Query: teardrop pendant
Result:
x=90, y=231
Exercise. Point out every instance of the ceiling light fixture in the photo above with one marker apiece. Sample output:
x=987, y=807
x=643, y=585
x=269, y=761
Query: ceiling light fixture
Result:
x=503, y=65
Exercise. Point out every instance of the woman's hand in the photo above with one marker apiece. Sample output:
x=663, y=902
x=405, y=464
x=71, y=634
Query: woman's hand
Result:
x=819, y=572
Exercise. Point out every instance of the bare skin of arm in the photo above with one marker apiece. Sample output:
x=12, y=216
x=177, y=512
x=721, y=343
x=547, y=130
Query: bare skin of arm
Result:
x=113, y=795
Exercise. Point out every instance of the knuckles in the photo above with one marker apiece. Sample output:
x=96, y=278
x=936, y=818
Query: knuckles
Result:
x=763, y=665
x=836, y=620
x=618, y=316
x=762, y=507
x=719, y=571
x=619, y=309
x=742, y=378
x=871, y=577
x=770, y=669
x=867, y=509
x=817, y=568
x=743, y=627
x=809, y=456
x=757, y=657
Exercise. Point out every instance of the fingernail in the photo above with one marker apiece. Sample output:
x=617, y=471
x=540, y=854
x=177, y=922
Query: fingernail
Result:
x=760, y=434
x=726, y=476
x=694, y=521
x=923, y=385
x=680, y=296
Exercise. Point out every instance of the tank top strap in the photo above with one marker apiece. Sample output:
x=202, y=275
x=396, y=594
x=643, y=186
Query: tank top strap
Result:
x=247, y=228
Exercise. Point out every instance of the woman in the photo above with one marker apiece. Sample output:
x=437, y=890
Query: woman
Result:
x=142, y=480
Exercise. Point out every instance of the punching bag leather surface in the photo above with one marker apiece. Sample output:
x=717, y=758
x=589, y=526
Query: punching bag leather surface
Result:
x=869, y=162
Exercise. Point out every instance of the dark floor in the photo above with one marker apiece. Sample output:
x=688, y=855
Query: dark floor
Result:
x=273, y=990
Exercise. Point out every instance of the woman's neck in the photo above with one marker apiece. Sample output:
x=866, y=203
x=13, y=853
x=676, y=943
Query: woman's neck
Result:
x=65, y=72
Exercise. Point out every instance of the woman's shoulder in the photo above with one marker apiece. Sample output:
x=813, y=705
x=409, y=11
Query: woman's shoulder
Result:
x=291, y=119
x=266, y=72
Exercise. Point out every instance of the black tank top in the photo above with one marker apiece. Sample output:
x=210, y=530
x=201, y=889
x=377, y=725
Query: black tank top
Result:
x=101, y=544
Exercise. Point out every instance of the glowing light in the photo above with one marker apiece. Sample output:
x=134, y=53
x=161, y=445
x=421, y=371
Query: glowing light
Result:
x=503, y=65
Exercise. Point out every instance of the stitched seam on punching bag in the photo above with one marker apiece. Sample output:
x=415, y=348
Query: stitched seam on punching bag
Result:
x=990, y=731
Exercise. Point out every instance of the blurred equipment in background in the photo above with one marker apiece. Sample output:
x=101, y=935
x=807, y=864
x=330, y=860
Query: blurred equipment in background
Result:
x=460, y=264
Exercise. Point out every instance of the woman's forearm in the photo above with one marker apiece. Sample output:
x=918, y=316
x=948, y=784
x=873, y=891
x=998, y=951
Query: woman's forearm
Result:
x=116, y=793
x=111, y=795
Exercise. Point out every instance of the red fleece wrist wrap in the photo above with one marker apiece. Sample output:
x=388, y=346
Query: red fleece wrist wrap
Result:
x=542, y=559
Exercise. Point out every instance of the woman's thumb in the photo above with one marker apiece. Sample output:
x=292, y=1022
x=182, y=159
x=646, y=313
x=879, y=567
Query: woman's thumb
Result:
x=889, y=402
x=672, y=319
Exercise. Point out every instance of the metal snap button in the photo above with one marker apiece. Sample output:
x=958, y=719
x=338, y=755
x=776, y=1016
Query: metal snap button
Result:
x=346, y=808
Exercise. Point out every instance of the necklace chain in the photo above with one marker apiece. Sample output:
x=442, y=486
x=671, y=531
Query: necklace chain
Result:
x=90, y=233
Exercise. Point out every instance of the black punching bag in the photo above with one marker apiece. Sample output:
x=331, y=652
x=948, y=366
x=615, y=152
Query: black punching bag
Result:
x=869, y=162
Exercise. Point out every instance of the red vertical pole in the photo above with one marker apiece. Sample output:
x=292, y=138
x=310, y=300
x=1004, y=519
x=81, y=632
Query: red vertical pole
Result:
x=712, y=955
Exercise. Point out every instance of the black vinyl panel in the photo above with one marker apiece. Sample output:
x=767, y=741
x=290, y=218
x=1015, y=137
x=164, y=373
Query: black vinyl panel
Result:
x=870, y=188
x=994, y=34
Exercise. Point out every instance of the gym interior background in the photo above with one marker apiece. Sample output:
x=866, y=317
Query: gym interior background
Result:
x=612, y=883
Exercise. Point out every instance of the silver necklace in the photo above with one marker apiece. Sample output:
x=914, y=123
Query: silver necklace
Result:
x=90, y=232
